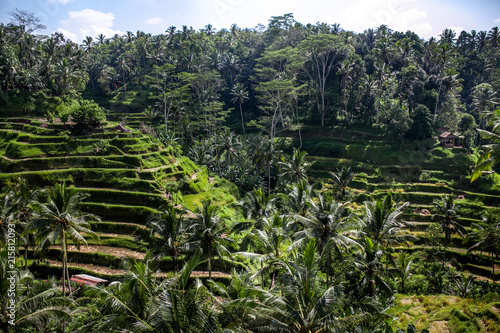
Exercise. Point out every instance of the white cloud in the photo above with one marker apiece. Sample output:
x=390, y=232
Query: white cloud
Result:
x=61, y=2
x=154, y=20
x=67, y=34
x=457, y=30
x=497, y=20
x=88, y=22
x=397, y=15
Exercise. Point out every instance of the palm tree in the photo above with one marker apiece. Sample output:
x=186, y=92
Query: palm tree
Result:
x=166, y=230
x=256, y=205
x=448, y=217
x=267, y=241
x=370, y=265
x=328, y=224
x=7, y=215
x=239, y=302
x=297, y=197
x=37, y=302
x=341, y=179
x=23, y=198
x=494, y=37
x=124, y=68
x=59, y=218
x=491, y=156
x=208, y=233
x=405, y=47
x=230, y=147
x=127, y=304
x=444, y=54
x=304, y=307
x=402, y=268
x=345, y=71
x=380, y=220
x=295, y=169
x=487, y=236
x=240, y=94
x=483, y=101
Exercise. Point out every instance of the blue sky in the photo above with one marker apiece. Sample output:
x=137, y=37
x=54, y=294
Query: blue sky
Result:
x=79, y=18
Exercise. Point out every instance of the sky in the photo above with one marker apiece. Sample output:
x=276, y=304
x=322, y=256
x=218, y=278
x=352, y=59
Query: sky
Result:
x=77, y=19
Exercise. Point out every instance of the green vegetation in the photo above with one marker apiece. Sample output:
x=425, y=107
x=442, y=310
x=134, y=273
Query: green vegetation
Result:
x=295, y=179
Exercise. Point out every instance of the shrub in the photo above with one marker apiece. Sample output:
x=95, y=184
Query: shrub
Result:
x=89, y=114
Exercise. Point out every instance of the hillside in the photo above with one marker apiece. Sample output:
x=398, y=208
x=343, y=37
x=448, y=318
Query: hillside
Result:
x=418, y=172
x=128, y=177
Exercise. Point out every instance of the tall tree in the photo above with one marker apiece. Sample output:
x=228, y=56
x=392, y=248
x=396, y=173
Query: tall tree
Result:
x=448, y=217
x=208, y=233
x=240, y=94
x=60, y=219
x=322, y=55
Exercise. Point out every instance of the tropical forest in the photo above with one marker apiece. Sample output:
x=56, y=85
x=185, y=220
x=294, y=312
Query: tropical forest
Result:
x=286, y=178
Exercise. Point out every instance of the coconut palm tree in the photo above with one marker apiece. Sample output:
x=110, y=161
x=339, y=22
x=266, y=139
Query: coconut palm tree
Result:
x=240, y=94
x=380, y=221
x=208, y=233
x=341, y=179
x=448, y=217
x=256, y=205
x=126, y=304
x=491, y=156
x=23, y=198
x=166, y=232
x=123, y=67
x=239, y=302
x=297, y=197
x=7, y=214
x=304, y=307
x=60, y=219
x=38, y=303
x=484, y=99
x=369, y=263
x=401, y=268
x=328, y=224
x=487, y=235
x=295, y=169
x=444, y=54
x=267, y=241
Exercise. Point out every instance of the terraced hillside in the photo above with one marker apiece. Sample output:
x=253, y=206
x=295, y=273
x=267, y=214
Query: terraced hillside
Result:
x=419, y=173
x=128, y=176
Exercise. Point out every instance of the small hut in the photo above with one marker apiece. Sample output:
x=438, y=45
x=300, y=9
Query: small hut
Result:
x=447, y=139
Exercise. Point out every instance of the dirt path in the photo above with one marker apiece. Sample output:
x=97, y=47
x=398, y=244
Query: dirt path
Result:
x=110, y=271
x=93, y=268
x=116, y=251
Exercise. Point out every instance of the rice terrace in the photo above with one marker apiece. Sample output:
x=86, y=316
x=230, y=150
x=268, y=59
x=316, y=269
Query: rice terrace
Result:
x=287, y=177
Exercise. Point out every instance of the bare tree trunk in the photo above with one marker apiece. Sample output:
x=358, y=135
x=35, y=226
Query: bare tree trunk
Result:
x=323, y=111
x=242, y=121
x=64, y=273
x=437, y=102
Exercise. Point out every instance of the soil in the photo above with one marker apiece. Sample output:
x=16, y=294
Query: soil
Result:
x=116, y=251
x=110, y=271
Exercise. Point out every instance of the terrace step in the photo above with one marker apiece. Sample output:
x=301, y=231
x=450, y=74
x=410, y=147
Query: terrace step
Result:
x=115, y=212
x=110, y=272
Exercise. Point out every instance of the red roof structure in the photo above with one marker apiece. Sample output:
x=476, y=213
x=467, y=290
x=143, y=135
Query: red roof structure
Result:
x=87, y=279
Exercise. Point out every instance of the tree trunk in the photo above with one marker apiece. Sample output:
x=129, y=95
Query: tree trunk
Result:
x=64, y=273
x=64, y=262
x=209, y=264
x=437, y=102
x=323, y=111
x=242, y=121
x=262, y=274
x=26, y=254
